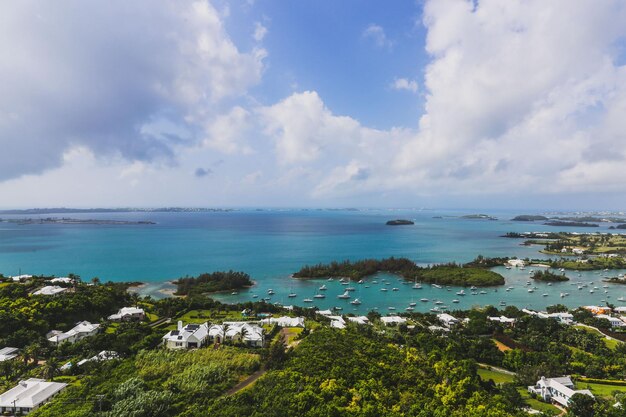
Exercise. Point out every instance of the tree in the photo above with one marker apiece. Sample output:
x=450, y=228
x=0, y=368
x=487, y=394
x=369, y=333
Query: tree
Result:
x=51, y=369
x=277, y=355
x=581, y=405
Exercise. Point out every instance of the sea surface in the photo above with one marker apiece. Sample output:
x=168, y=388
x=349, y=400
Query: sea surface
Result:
x=272, y=244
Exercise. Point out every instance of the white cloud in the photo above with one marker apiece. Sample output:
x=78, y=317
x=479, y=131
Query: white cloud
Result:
x=404, y=84
x=259, y=32
x=377, y=35
x=227, y=132
x=106, y=76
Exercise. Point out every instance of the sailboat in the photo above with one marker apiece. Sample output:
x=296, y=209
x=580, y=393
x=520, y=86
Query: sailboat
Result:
x=323, y=288
x=344, y=296
x=355, y=302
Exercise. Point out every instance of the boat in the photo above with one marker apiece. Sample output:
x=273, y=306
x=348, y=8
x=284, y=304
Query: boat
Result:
x=591, y=291
x=391, y=308
x=255, y=296
x=544, y=295
x=355, y=302
x=473, y=288
x=621, y=299
x=329, y=279
x=360, y=281
x=502, y=303
x=367, y=286
x=424, y=300
x=345, y=283
x=270, y=291
x=434, y=310
x=438, y=302
x=409, y=308
x=323, y=288
x=437, y=286
x=508, y=267
x=417, y=286
x=394, y=289
x=319, y=296
x=292, y=295
x=384, y=289
x=455, y=301
x=344, y=296
x=387, y=283
x=337, y=308
x=234, y=293
x=374, y=282
x=531, y=290
x=413, y=304
x=462, y=292
x=483, y=292
x=562, y=295
x=350, y=289
x=307, y=300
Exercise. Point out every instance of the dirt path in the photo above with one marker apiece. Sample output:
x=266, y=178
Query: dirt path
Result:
x=496, y=368
x=246, y=382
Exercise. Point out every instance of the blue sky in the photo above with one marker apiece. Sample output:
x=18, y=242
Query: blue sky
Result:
x=433, y=103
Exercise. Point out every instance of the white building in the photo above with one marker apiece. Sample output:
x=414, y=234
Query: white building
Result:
x=50, y=290
x=80, y=331
x=362, y=320
x=565, y=318
x=325, y=313
x=105, y=355
x=127, y=314
x=8, y=353
x=559, y=390
x=285, y=321
x=244, y=332
x=187, y=337
x=516, y=262
x=18, y=278
x=64, y=280
x=615, y=321
x=392, y=320
x=447, y=320
x=502, y=319
x=29, y=395
x=337, y=322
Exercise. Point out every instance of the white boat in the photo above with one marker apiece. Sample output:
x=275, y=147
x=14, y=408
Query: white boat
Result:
x=292, y=295
x=413, y=304
x=621, y=299
x=409, y=308
x=350, y=289
x=374, y=282
x=319, y=296
x=434, y=309
x=344, y=296
x=502, y=303
x=355, y=302
x=360, y=281
x=544, y=295
x=255, y=296
x=424, y=300
x=483, y=292
x=384, y=289
x=439, y=302
x=307, y=300
x=323, y=288
x=462, y=292
x=473, y=288
x=391, y=308
x=417, y=286
x=455, y=301
x=234, y=293
x=531, y=290
x=395, y=289
x=562, y=295
x=437, y=286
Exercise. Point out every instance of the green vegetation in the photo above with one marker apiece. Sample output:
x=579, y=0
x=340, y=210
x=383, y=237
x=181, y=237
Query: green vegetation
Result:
x=213, y=282
x=445, y=274
x=479, y=217
x=547, y=276
x=495, y=376
x=589, y=264
x=569, y=224
x=528, y=218
x=399, y=223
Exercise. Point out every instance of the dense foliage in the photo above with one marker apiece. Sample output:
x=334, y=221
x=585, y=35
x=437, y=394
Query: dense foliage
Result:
x=445, y=274
x=547, y=276
x=213, y=282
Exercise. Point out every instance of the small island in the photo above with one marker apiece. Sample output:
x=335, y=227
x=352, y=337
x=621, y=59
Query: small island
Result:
x=399, y=222
x=547, y=276
x=212, y=282
x=569, y=224
x=529, y=218
x=479, y=217
x=444, y=274
x=66, y=220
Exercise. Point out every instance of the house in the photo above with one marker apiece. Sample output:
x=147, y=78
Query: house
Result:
x=248, y=333
x=437, y=329
x=187, y=337
x=598, y=309
x=128, y=314
x=563, y=317
x=325, y=313
x=620, y=309
x=392, y=320
x=359, y=320
x=18, y=278
x=516, y=263
x=447, y=320
x=80, y=331
x=105, y=355
x=502, y=320
x=50, y=290
x=337, y=322
x=29, y=395
x=8, y=353
x=558, y=390
x=578, y=251
x=285, y=321
x=63, y=280
x=615, y=322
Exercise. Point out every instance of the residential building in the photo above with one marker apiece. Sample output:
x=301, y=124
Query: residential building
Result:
x=615, y=321
x=128, y=314
x=187, y=337
x=50, y=290
x=29, y=395
x=503, y=320
x=285, y=321
x=80, y=331
x=392, y=320
x=244, y=332
x=359, y=320
x=558, y=390
x=63, y=280
x=598, y=309
x=447, y=320
x=8, y=353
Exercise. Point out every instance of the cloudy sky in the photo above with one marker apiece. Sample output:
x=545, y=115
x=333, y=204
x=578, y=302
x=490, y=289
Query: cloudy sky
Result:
x=435, y=103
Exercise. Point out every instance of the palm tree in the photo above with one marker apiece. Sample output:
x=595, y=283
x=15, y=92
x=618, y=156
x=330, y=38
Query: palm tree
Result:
x=32, y=351
x=51, y=369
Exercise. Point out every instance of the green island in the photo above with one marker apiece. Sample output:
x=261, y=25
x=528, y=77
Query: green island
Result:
x=444, y=274
x=563, y=223
x=547, y=276
x=213, y=282
x=528, y=218
x=399, y=222
x=479, y=217
x=476, y=368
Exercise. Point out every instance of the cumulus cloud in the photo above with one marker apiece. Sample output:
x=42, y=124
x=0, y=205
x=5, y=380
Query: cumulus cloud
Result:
x=106, y=76
x=521, y=95
x=259, y=32
x=376, y=34
x=404, y=84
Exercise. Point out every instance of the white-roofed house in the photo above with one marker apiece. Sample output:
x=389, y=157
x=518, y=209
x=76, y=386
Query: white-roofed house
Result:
x=285, y=321
x=64, y=280
x=18, y=278
x=447, y=320
x=128, y=313
x=558, y=390
x=359, y=320
x=392, y=320
x=8, y=353
x=615, y=321
x=187, y=337
x=80, y=331
x=244, y=332
x=502, y=319
x=29, y=395
x=325, y=313
x=50, y=290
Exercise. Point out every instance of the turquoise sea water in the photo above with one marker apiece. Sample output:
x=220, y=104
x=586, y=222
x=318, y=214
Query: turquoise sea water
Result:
x=272, y=244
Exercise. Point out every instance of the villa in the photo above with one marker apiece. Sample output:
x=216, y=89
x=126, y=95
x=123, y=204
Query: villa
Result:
x=50, y=290
x=392, y=320
x=362, y=320
x=187, y=337
x=8, y=353
x=128, y=314
x=615, y=322
x=516, y=263
x=503, y=320
x=337, y=322
x=447, y=320
x=64, y=280
x=558, y=390
x=80, y=331
x=285, y=321
x=250, y=334
x=29, y=395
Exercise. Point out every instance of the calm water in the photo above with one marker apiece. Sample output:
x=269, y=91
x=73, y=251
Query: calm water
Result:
x=270, y=245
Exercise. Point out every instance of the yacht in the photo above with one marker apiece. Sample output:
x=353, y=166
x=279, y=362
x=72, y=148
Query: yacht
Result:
x=502, y=303
x=417, y=286
x=455, y=301
x=350, y=289
x=434, y=310
x=621, y=299
x=473, y=288
x=483, y=292
x=424, y=300
x=544, y=295
x=337, y=308
x=437, y=286
x=292, y=295
x=319, y=296
x=384, y=289
x=438, y=302
x=531, y=290
x=360, y=281
x=394, y=289
x=307, y=300
x=462, y=292
x=270, y=291
x=344, y=296
x=412, y=304
x=409, y=308
x=391, y=308
x=234, y=293
x=255, y=296
x=323, y=288
x=562, y=295
x=355, y=302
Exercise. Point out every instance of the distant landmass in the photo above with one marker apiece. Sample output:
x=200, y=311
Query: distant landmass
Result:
x=63, y=210
x=479, y=217
x=528, y=218
x=570, y=224
x=54, y=220
x=399, y=222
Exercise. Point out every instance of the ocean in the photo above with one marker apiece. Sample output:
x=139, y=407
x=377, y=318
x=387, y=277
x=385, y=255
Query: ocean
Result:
x=272, y=244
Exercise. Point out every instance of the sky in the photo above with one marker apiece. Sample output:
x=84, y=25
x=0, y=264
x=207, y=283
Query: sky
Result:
x=313, y=103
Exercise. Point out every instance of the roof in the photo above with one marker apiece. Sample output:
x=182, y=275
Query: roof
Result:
x=30, y=393
x=127, y=311
x=193, y=332
x=83, y=327
x=8, y=353
x=359, y=320
x=50, y=290
x=65, y=280
x=285, y=321
x=393, y=319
